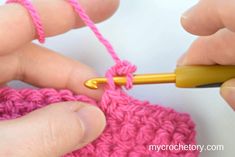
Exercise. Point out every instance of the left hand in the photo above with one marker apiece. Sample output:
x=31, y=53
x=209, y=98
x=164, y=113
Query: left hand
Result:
x=60, y=128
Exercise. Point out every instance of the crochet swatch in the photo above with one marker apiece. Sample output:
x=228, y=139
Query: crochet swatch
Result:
x=132, y=125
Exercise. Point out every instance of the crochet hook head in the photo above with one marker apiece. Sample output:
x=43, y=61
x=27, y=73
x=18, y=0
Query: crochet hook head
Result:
x=137, y=79
x=183, y=77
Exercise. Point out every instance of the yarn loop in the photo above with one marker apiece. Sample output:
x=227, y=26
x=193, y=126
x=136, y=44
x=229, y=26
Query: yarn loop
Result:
x=35, y=18
x=122, y=68
x=132, y=125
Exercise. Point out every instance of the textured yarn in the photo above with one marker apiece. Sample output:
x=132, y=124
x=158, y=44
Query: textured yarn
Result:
x=132, y=125
x=122, y=68
x=35, y=18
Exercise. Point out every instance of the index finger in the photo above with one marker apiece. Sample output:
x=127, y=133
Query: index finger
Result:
x=208, y=16
x=17, y=29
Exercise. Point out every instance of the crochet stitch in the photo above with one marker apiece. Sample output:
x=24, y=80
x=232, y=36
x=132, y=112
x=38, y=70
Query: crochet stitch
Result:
x=132, y=125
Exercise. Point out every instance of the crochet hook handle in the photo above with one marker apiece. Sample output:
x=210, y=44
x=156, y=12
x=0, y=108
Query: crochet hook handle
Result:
x=203, y=76
x=183, y=77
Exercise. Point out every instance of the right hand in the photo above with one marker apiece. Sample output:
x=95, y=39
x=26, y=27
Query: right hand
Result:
x=214, y=22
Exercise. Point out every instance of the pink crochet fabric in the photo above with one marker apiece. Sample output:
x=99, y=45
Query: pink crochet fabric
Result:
x=132, y=125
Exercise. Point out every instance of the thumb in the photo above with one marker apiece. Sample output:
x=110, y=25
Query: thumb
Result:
x=228, y=92
x=51, y=131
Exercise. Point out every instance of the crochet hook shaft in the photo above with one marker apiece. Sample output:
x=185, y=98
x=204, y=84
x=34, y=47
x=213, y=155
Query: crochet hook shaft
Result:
x=183, y=77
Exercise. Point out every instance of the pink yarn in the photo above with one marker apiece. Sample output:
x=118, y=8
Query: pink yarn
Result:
x=122, y=67
x=86, y=19
x=35, y=17
x=132, y=125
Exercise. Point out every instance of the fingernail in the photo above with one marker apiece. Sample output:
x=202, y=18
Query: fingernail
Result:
x=93, y=122
x=228, y=93
x=182, y=60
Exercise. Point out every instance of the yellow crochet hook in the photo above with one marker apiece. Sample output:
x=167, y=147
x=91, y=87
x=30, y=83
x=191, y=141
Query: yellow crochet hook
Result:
x=183, y=77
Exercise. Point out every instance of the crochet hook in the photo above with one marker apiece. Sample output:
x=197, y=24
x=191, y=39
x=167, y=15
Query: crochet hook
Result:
x=183, y=77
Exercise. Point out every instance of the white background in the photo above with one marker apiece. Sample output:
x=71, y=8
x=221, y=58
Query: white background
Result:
x=149, y=34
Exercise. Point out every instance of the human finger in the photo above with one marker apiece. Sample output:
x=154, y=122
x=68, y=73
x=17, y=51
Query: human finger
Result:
x=208, y=16
x=42, y=67
x=215, y=49
x=57, y=16
x=46, y=131
x=228, y=92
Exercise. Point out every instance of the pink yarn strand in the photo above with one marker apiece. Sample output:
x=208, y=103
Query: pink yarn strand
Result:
x=35, y=18
x=132, y=125
x=122, y=68
x=86, y=19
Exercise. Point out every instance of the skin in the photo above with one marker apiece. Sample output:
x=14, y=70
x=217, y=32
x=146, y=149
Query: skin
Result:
x=214, y=22
x=46, y=132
